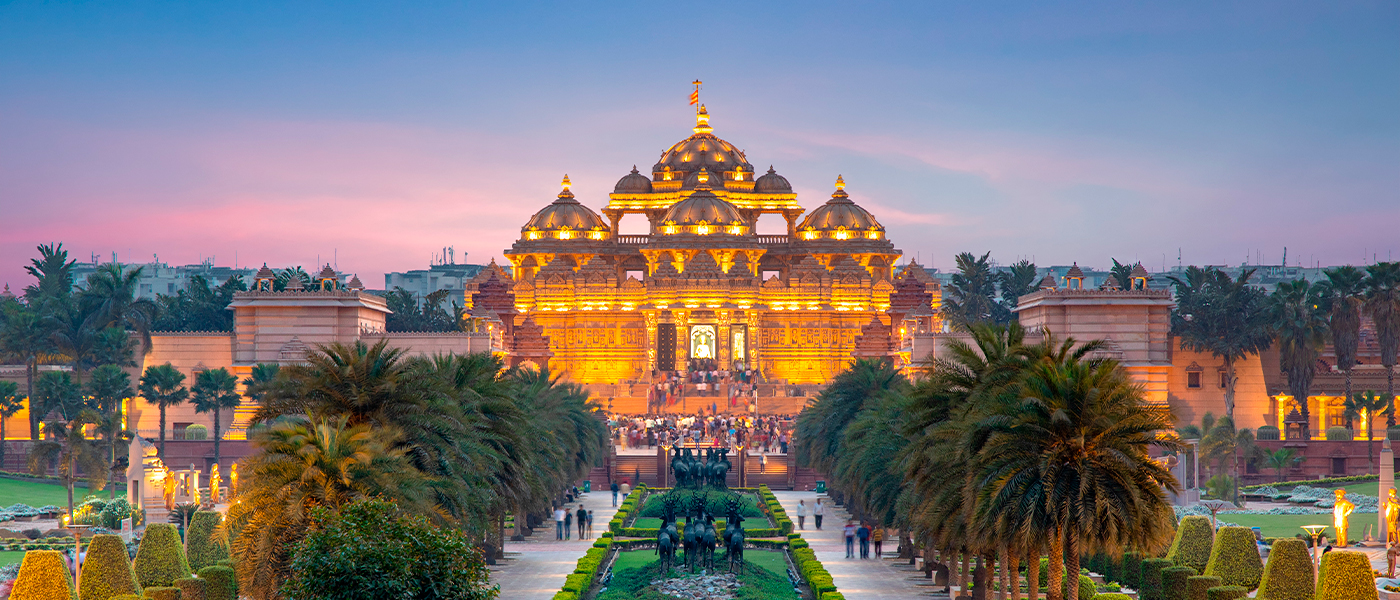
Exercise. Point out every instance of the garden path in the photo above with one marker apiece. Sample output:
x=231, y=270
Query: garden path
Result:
x=874, y=579
x=535, y=568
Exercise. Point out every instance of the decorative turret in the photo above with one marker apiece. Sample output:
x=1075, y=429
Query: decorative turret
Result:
x=840, y=219
x=264, y=279
x=566, y=219
x=1074, y=279
x=1138, y=278
x=355, y=283
x=1048, y=283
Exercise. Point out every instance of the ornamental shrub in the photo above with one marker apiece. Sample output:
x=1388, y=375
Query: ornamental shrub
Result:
x=1176, y=582
x=1266, y=433
x=1152, y=578
x=220, y=583
x=208, y=545
x=192, y=588
x=408, y=556
x=1289, y=574
x=1113, y=596
x=1191, y=546
x=1132, y=570
x=128, y=597
x=1086, y=588
x=42, y=576
x=1347, y=576
x=163, y=593
x=1226, y=592
x=107, y=570
x=161, y=558
x=196, y=432
x=1234, y=558
x=1197, y=586
x=1337, y=433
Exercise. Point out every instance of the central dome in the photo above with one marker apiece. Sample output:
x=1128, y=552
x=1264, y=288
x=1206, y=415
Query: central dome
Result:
x=702, y=150
x=701, y=211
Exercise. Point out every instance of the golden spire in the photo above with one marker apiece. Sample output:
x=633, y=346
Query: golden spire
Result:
x=702, y=121
x=565, y=193
x=840, y=183
x=566, y=181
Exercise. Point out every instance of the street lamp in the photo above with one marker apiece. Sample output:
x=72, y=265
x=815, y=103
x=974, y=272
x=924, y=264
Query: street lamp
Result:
x=1314, y=531
x=77, y=548
x=1216, y=506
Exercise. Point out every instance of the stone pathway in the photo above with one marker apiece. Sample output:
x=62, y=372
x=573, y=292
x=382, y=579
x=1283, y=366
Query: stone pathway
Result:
x=873, y=579
x=535, y=568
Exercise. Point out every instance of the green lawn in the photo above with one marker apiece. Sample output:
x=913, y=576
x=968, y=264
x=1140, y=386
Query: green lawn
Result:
x=771, y=560
x=14, y=491
x=1291, y=525
x=753, y=523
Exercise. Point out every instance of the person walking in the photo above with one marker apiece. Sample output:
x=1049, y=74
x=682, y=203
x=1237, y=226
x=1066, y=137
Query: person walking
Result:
x=802, y=514
x=614, y=491
x=559, y=523
x=850, y=532
x=582, y=517
x=818, y=512
x=590, y=528
x=877, y=535
x=863, y=534
x=626, y=489
x=568, y=523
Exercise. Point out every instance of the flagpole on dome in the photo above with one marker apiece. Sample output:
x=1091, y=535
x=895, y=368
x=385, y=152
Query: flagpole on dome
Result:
x=695, y=96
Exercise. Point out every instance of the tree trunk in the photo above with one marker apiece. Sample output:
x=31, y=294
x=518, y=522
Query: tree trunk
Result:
x=162, y=432
x=1348, y=396
x=955, y=569
x=68, y=478
x=1230, y=390
x=1056, y=576
x=1072, y=566
x=112, y=466
x=216, y=436
x=1390, y=389
x=1013, y=571
x=1370, y=456
x=2, y=442
x=1003, y=577
x=29, y=370
x=1033, y=575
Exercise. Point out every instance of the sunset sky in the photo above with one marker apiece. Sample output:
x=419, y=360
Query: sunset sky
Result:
x=378, y=133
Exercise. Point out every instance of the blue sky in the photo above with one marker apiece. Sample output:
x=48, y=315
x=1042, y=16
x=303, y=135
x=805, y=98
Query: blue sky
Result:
x=380, y=132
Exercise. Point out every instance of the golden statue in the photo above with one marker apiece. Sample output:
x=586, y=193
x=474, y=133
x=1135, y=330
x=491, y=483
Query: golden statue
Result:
x=1341, y=513
x=214, y=484
x=169, y=488
x=233, y=480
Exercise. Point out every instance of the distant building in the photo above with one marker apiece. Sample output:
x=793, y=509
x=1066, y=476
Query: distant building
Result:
x=160, y=278
x=444, y=274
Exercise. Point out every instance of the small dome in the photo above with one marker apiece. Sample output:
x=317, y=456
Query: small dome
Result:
x=772, y=183
x=564, y=218
x=633, y=183
x=840, y=218
x=703, y=208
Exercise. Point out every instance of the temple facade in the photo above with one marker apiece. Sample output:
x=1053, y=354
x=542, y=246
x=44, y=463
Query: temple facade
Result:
x=702, y=286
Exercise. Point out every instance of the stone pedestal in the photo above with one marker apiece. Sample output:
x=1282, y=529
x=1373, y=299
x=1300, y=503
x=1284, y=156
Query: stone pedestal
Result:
x=1387, y=481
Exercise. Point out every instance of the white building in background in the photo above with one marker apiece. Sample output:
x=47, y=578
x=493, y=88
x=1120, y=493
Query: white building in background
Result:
x=160, y=278
x=444, y=273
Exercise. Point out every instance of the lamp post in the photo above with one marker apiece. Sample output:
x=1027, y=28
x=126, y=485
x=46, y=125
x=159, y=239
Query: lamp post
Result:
x=1216, y=506
x=1314, y=531
x=77, y=548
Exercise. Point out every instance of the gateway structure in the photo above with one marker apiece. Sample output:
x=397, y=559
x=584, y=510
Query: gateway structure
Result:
x=702, y=286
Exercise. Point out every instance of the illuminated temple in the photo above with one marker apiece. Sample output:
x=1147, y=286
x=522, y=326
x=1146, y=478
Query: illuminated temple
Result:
x=605, y=307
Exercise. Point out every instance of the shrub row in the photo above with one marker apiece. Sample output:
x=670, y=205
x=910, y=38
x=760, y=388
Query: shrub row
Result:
x=629, y=506
x=577, y=583
x=775, y=510
x=1313, y=482
x=813, y=572
x=652, y=532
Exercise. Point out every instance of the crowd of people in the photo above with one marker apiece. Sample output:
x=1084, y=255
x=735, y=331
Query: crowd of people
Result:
x=703, y=378
x=762, y=434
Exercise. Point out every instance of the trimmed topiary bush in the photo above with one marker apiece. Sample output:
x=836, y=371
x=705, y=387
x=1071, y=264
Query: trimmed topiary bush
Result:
x=1289, y=574
x=128, y=597
x=1226, y=592
x=1176, y=583
x=1198, y=585
x=192, y=588
x=220, y=583
x=196, y=432
x=42, y=576
x=1338, y=433
x=1191, y=547
x=1152, y=578
x=160, y=560
x=1086, y=588
x=1266, y=433
x=1113, y=596
x=163, y=593
x=1234, y=558
x=1346, y=576
x=207, y=544
x=1132, y=570
x=107, y=571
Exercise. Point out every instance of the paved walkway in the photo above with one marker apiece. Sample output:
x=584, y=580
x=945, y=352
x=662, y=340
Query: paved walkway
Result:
x=535, y=568
x=873, y=579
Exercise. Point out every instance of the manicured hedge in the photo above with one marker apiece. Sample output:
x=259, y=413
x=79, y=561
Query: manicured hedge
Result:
x=1132, y=570
x=1113, y=596
x=192, y=588
x=1176, y=582
x=1152, y=578
x=222, y=585
x=1289, y=574
x=1199, y=585
x=163, y=593
x=107, y=570
x=1086, y=588
x=1346, y=576
x=161, y=558
x=1234, y=558
x=577, y=583
x=1226, y=592
x=1314, y=482
x=207, y=546
x=1191, y=547
x=42, y=576
x=833, y=596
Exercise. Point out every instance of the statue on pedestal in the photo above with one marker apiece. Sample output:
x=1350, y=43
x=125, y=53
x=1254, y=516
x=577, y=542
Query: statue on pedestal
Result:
x=1391, y=508
x=1341, y=515
x=214, y=484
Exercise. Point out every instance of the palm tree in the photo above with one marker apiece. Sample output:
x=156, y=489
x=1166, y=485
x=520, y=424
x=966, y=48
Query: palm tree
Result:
x=26, y=336
x=54, y=273
x=11, y=401
x=970, y=294
x=214, y=392
x=1017, y=280
x=56, y=394
x=260, y=380
x=1280, y=460
x=110, y=301
x=366, y=384
x=1370, y=405
x=1223, y=316
x=107, y=387
x=1383, y=304
x=163, y=386
x=821, y=427
x=300, y=465
x=1344, y=291
x=1122, y=273
x=1300, y=319
x=1224, y=443
x=66, y=441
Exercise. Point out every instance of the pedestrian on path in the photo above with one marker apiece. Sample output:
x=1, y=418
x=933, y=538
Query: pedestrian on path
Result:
x=818, y=511
x=626, y=489
x=590, y=527
x=802, y=514
x=863, y=534
x=582, y=516
x=850, y=532
x=568, y=523
x=559, y=523
x=614, y=491
x=877, y=535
